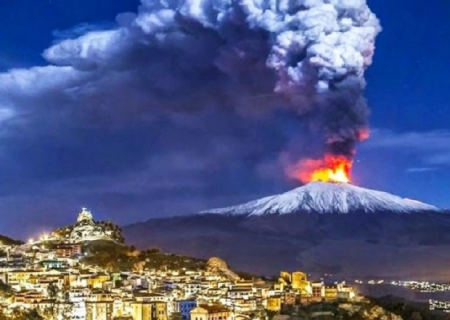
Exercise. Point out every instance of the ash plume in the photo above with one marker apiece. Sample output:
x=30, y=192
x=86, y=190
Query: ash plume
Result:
x=304, y=58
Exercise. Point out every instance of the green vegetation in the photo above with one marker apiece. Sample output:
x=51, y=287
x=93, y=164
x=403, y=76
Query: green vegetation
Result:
x=176, y=316
x=63, y=232
x=247, y=276
x=108, y=255
x=5, y=290
x=116, y=231
x=17, y=314
x=117, y=257
x=155, y=259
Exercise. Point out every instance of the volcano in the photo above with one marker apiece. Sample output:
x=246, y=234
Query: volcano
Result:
x=328, y=198
x=321, y=227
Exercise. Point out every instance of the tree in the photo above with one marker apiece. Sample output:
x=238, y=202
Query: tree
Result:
x=18, y=314
x=32, y=315
x=5, y=290
x=52, y=291
x=60, y=304
x=416, y=316
x=175, y=316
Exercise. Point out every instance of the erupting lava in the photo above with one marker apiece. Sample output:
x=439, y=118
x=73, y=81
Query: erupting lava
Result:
x=337, y=170
x=330, y=169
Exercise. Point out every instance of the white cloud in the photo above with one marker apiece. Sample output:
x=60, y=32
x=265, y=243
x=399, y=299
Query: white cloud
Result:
x=36, y=80
x=432, y=147
x=88, y=51
x=420, y=170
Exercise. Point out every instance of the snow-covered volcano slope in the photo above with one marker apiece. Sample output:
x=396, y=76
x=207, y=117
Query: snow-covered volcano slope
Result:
x=324, y=197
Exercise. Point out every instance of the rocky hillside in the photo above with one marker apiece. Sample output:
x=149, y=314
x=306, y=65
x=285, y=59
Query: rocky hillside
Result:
x=118, y=257
x=4, y=240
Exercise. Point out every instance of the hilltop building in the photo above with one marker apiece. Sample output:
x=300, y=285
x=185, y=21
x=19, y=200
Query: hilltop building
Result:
x=87, y=230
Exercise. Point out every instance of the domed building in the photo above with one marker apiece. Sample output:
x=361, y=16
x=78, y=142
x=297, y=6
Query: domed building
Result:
x=86, y=229
x=84, y=215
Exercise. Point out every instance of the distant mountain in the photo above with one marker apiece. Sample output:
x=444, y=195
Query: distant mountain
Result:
x=323, y=197
x=321, y=227
x=4, y=240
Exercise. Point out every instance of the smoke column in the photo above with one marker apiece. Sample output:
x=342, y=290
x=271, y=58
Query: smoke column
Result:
x=305, y=56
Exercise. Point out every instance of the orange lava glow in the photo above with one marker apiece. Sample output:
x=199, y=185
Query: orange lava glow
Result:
x=337, y=169
x=330, y=169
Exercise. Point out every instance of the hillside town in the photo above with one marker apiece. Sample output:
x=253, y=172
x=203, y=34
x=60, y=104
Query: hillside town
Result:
x=63, y=276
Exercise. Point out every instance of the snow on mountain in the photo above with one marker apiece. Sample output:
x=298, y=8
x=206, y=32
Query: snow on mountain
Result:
x=324, y=197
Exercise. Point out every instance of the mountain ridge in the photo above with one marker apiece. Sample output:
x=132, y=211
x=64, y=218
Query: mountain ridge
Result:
x=325, y=197
x=256, y=237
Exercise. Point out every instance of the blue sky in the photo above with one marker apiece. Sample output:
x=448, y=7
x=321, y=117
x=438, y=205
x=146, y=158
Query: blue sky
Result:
x=406, y=91
x=111, y=154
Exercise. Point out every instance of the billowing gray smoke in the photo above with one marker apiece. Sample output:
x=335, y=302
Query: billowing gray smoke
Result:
x=183, y=103
x=304, y=56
